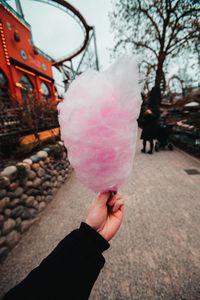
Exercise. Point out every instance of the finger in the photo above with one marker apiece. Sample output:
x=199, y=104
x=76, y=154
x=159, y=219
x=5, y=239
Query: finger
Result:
x=116, y=197
x=103, y=197
x=122, y=207
x=117, y=205
x=119, y=214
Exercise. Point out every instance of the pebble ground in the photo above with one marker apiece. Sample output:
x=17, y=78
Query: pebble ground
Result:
x=155, y=255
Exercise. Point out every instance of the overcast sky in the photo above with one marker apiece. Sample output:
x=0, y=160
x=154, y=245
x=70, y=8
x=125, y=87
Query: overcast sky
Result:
x=58, y=34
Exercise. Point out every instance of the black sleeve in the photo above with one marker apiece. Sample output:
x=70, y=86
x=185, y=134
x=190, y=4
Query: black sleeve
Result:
x=68, y=272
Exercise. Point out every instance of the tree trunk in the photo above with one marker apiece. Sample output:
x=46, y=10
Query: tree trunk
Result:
x=159, y=71
x=155, y=94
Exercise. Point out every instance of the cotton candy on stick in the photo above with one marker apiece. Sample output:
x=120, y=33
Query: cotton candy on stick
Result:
x=98, y=122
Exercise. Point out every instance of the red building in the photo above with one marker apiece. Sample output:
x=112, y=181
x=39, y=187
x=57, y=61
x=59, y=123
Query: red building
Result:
x=23, y=67
x=28, y=99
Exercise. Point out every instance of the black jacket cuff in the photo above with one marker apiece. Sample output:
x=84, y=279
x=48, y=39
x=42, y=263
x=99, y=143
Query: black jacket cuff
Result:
x=93, y=238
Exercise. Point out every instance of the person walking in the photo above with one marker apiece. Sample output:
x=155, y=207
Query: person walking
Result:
x=150, y=119
x=148, y=130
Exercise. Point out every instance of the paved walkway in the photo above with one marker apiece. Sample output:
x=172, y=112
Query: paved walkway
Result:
x=156, y=254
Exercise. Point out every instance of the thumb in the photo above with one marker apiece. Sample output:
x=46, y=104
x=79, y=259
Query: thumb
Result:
x=103, y=198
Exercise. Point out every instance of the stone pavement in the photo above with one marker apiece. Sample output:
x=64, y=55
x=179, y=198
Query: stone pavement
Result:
x=156, y=254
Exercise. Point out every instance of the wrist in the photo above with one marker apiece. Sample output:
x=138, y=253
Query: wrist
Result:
x=95, y=237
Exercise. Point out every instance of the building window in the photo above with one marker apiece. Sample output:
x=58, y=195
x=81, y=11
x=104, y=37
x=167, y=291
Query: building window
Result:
x=5, y=101
x=3, y=79
x=26, y=88
x=45, y=91
x=26, y=83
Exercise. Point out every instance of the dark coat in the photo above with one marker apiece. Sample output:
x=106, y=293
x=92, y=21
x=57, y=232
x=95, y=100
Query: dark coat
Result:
x=149, y=127
x=69, y=272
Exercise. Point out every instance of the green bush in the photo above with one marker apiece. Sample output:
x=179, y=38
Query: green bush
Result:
x=55, y=151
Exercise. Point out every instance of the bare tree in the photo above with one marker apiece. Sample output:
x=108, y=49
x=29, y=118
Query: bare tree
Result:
x=160, y=29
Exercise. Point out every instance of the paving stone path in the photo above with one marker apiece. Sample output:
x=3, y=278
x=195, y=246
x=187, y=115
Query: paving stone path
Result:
x=156, y=254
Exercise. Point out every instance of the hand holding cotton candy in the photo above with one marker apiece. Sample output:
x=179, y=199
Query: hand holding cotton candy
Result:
x=98, y=122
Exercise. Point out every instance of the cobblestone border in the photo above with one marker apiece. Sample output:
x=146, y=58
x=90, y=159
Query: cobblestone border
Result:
x=25, y=190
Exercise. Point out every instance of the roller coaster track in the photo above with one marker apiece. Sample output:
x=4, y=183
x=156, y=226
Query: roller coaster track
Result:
x=73, y=12
x=68, y=72
x=76, y=15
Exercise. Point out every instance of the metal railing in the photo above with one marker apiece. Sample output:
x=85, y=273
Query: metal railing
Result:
x=31, y=117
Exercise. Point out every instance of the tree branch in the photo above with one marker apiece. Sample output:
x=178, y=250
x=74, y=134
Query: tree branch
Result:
x=167, y=6
x=153, y=66
x=140, y=44
x=186, y=13
x=159, y=11
x=181, y=42
x=173, y=35
x=175, y=6
x=137, y=44
x=150, y=18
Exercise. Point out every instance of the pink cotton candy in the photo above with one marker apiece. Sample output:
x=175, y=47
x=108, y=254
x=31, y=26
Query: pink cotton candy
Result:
x=98, y=122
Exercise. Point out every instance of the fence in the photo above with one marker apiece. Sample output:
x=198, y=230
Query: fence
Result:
x=32, y=116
